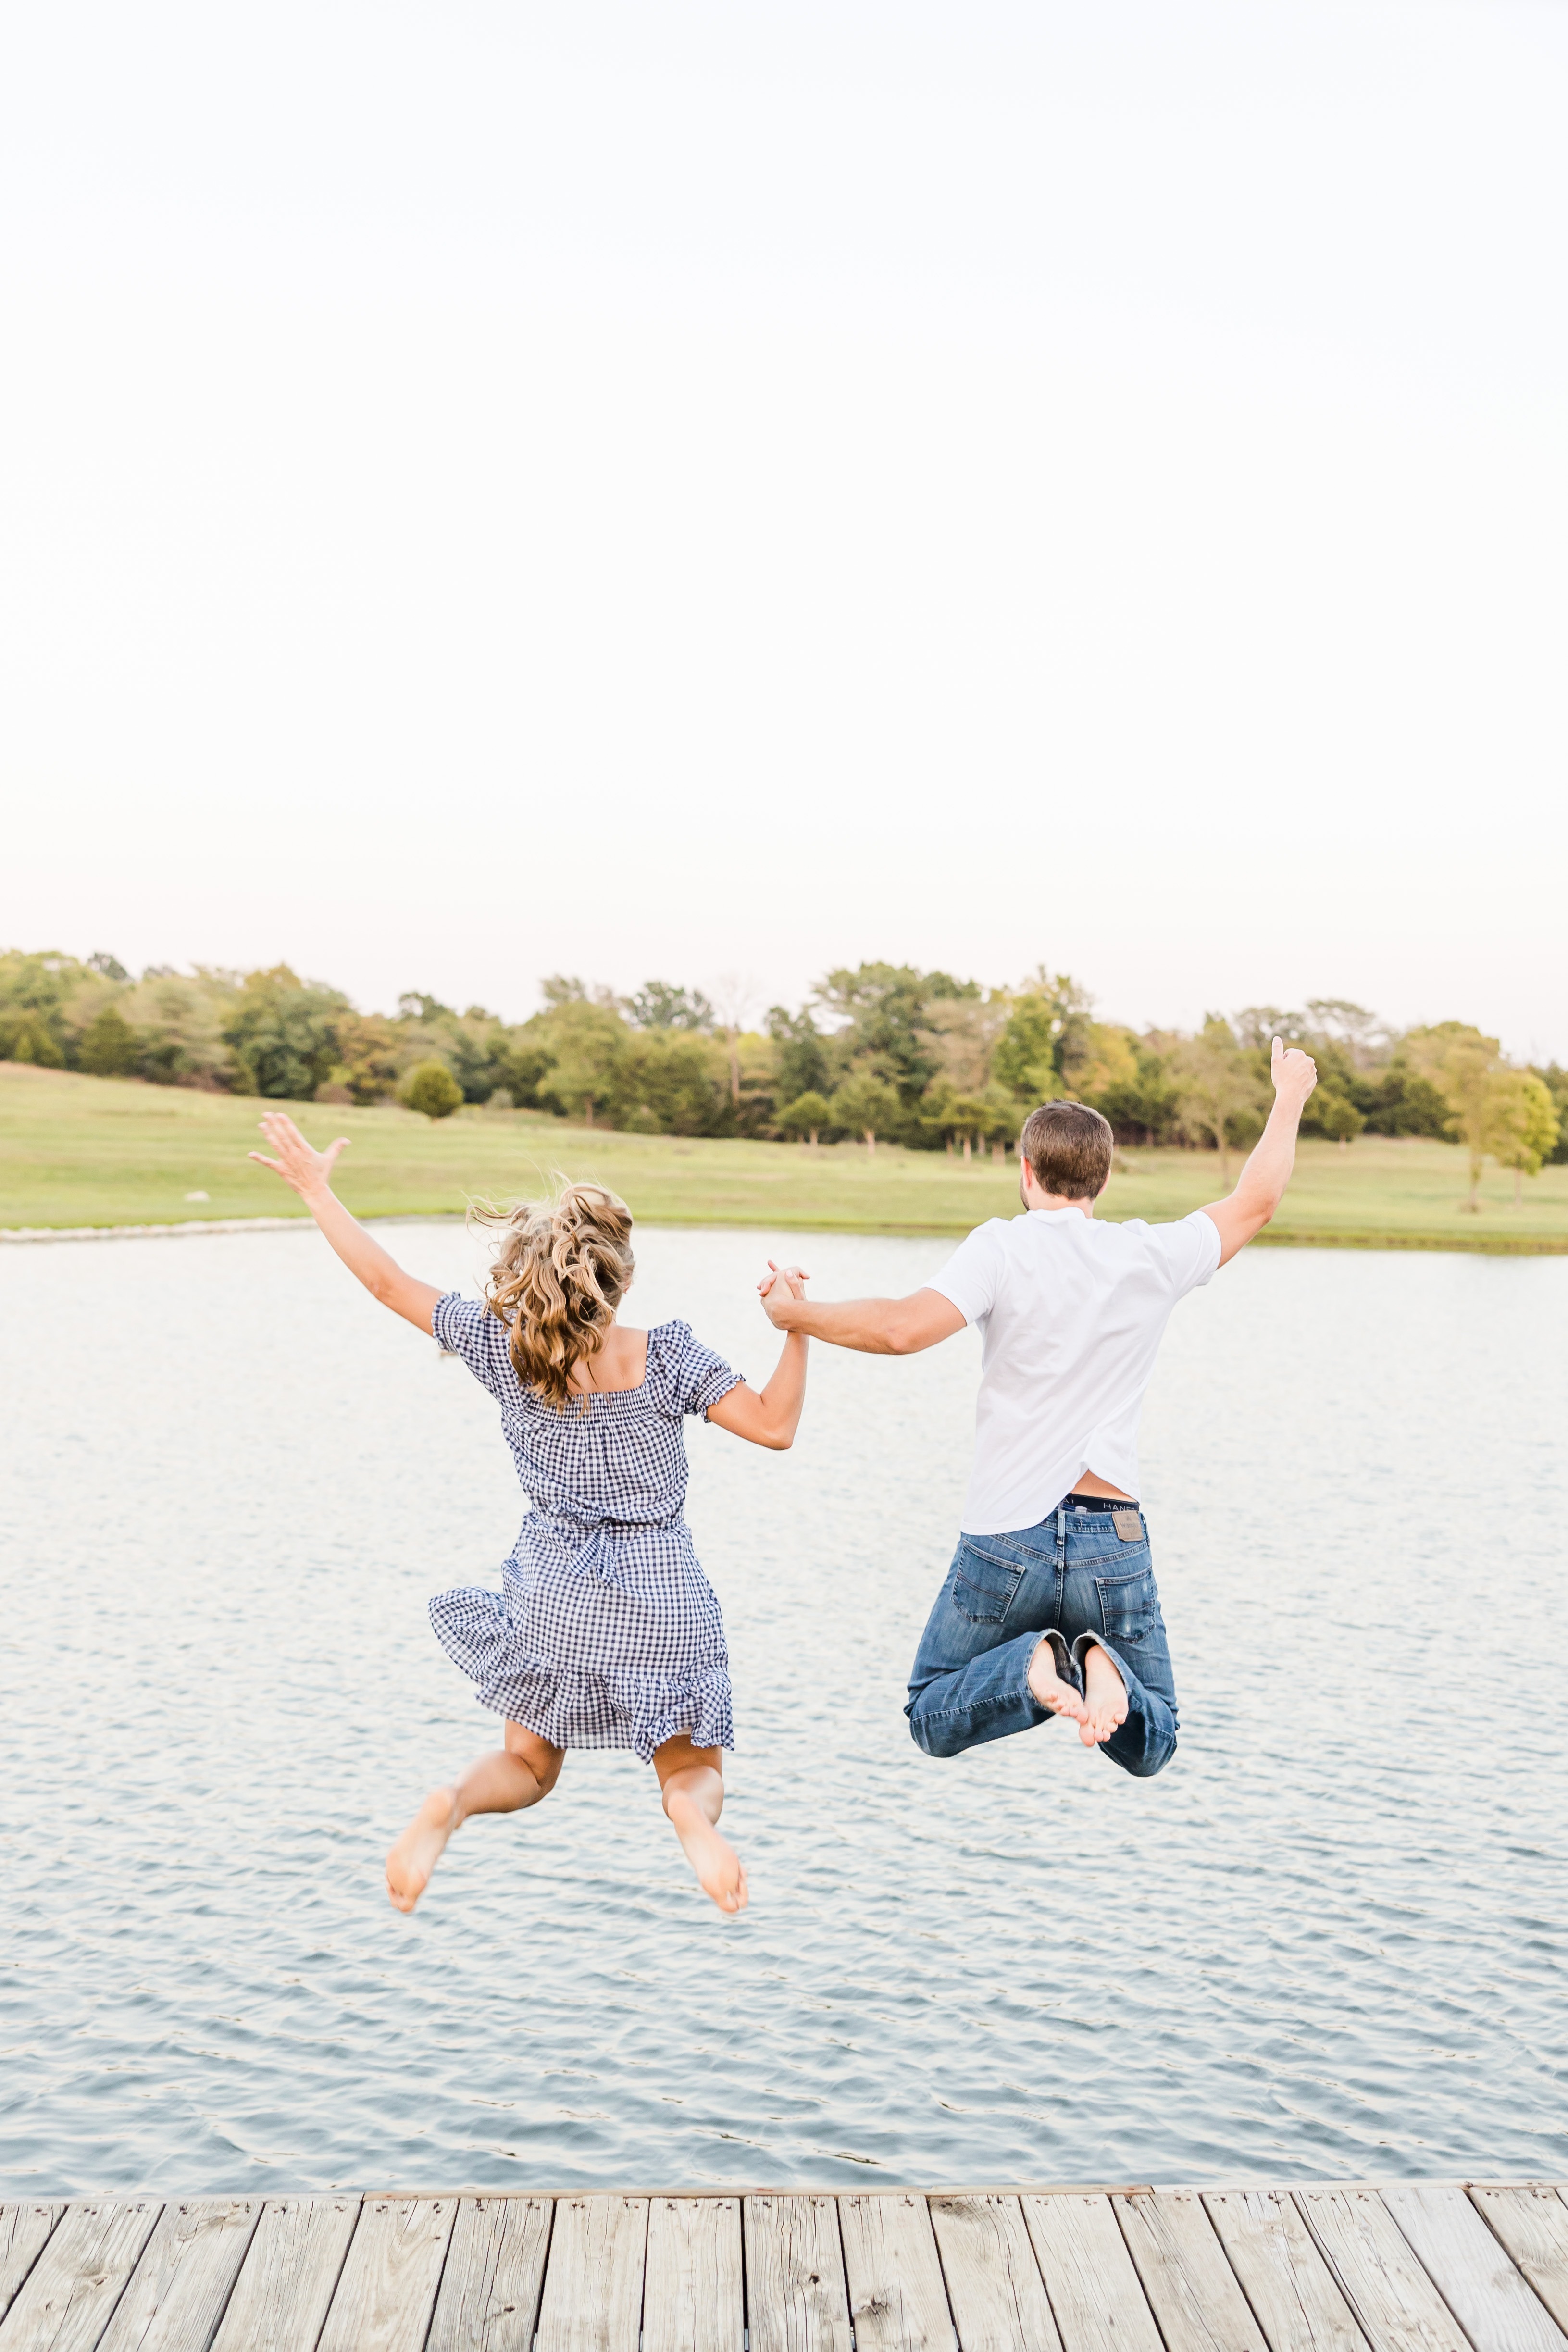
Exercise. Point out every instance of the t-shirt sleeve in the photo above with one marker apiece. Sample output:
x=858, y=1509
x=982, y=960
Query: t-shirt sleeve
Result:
x=698, y=1377
x=1190, y=1249
x=971, y=1274
x=466, y=1328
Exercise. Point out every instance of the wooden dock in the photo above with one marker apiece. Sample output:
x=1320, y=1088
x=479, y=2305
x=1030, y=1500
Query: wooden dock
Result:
x=1392, y=2267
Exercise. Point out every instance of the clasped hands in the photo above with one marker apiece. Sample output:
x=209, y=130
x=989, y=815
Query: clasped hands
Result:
x=780, y=1285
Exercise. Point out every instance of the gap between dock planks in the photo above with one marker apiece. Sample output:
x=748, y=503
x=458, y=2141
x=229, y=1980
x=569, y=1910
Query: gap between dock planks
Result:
x=1405, y=2266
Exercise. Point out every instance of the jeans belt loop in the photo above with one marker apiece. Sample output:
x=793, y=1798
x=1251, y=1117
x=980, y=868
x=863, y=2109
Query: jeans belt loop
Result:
x=1061, y=1538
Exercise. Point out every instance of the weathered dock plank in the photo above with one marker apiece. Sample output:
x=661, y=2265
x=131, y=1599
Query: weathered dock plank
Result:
x=71, y=2293
x=994, y=2286
x=290, y=2274
x=694, y=2295
x=387, y=2290
x=1284, y=2277
x=494, y=2275
x=24, y=2231
x=177, y=2291
x=1399, y=2309
x=1362, y=2267
x=592, y=2282
x=1191, y=2287
x=1531, y=2221
x=1095, y=2299
x=796, y=2297
x=1476, y=2279
x=898, y=2302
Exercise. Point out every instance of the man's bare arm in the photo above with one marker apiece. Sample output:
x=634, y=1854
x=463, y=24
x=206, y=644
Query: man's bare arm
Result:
x=874, y=1327
x=1261, y=1185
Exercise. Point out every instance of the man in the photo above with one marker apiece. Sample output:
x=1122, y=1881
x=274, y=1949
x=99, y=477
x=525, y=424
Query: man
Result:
x=1050, y=1606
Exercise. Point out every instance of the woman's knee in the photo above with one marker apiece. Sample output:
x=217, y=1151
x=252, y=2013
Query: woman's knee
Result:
x=680, y=1755
x=543, y=1757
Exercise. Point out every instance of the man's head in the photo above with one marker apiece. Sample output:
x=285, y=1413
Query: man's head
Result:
x=1067, y=1149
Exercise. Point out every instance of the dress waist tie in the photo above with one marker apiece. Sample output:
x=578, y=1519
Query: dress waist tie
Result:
x=596, y=1539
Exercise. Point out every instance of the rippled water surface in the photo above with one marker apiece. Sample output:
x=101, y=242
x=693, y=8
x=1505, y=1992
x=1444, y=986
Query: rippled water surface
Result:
x=1328, y=1941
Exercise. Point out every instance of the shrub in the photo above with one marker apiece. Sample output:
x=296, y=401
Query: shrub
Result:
x=110, y=1046
x=28, y=1038
x=431, y=1089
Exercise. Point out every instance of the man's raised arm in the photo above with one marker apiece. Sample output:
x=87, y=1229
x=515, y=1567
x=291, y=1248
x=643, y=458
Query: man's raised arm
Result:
x=1261, y=1185
x=876, y=1327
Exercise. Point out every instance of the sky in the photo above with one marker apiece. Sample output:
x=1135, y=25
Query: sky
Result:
x=716, y=492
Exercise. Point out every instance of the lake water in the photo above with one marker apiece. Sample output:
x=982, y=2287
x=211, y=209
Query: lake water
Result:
x=1329, y=1942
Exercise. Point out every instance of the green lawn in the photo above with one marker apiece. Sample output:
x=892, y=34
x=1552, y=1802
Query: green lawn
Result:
x=111, y=1151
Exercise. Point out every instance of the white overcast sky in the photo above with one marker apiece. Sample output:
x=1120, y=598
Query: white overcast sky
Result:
x=691, y=489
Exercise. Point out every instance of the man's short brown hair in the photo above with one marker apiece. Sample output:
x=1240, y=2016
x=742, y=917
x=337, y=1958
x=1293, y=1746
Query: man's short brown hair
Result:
x=1070, y=1147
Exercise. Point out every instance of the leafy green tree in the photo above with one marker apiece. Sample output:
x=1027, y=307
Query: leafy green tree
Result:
x=521, y=1069
x=867, y=1105
x=1554, y=1078
x=1220, y=1091
x=110, y=1047
x=1400, y=1101
x=1027, y=1057
x=657, y=1004
x=587, y=1046
x=431, y=1089
x=1144, y=1106
x=1048, y=1040
x=1461, y=1063
x=667, y=1082
x=34, y=992
x=800, y=1054
x=107, y=967
x=882, y=1010
x=1338, y=1118
x=1523, y=1125
x=30, y=1037
x=179, y=1022
x=807, y=1116
x=372, y=1056
x=283, y=1035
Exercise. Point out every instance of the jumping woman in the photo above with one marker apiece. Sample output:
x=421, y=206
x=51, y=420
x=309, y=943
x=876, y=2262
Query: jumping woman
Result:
x=605, y=1632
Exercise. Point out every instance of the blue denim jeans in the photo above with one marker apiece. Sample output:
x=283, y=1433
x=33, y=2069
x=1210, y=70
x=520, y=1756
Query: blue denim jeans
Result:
x=1075, y=1579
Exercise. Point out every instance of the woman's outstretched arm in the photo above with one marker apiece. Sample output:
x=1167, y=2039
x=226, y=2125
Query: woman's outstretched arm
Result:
x=771, y=1418
x=309, y=1174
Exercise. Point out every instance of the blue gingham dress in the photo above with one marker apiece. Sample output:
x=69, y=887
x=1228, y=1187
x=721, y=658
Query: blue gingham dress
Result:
x=605, y=1632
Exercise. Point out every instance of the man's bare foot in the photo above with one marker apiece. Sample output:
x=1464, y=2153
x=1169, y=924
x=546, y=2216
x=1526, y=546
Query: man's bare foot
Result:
x=420, y=1848
x=1105, y=1698
x=720, y=1873
x=1048, y=1688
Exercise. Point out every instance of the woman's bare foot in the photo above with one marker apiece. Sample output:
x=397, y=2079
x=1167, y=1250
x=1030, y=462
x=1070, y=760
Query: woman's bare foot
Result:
x=720, y=1873
x=420, y=1848
x=1048, y=1688
x=1105, y=1698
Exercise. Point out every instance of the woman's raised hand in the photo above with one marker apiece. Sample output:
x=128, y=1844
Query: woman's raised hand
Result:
x=299, y=1165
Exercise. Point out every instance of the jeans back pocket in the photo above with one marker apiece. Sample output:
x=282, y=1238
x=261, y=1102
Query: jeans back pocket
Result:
x=984, y=1584
x=1128, y=1606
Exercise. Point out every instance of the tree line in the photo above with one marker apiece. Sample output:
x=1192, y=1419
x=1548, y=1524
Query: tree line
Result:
x=878, y=1053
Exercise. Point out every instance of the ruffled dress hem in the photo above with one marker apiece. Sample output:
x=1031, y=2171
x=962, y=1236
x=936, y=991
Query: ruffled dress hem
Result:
x=577, y=1707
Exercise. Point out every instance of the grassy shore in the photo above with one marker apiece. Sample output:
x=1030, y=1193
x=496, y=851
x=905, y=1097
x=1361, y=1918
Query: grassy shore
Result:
x=112, y=1151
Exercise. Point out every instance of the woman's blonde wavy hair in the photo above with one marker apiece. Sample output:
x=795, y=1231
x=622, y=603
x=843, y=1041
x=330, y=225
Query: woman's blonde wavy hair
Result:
x=561, y=1270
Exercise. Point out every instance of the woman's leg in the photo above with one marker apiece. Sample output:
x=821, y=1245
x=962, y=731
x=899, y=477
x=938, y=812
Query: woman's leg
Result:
x=505, y=1781
x=692, y=1782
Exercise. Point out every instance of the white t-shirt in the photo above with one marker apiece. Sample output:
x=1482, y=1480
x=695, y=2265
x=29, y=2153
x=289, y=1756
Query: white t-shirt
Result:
x=1071, y=1313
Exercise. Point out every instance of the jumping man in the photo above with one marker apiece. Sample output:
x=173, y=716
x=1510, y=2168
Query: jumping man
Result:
x=1050, y=1606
